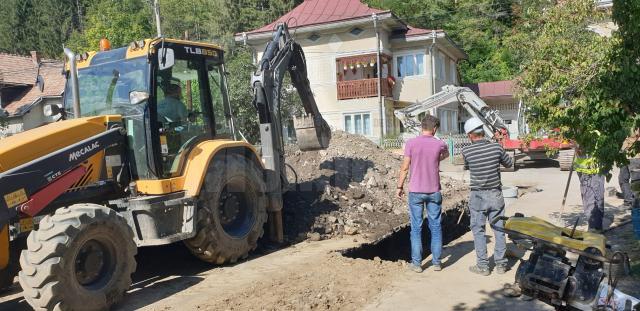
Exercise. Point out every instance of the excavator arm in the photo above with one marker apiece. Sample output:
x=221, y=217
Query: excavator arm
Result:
x=473, y=104
x=282, y=54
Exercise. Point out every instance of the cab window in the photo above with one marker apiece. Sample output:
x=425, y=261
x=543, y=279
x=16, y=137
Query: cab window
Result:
x=219, y=101
x=181, y=117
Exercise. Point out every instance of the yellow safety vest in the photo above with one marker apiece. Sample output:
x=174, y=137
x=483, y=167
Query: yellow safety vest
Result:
x=586, y=165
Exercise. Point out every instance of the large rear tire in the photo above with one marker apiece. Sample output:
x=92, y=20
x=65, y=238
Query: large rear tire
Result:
x=231, y=211
x=80, y=258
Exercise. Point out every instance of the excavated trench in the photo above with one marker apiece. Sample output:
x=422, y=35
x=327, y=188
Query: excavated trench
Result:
x=396, y=246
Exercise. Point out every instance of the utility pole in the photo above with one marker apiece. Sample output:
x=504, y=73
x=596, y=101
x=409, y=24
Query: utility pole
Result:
x=156, y=10
x=383, y=121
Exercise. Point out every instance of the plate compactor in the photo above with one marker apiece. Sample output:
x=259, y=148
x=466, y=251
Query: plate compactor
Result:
x=567, y=268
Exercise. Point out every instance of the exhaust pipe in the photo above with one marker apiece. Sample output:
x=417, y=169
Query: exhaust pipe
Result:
x=75, y=92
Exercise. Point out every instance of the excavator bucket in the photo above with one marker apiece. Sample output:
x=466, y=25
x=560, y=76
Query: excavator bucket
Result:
x=312, y=132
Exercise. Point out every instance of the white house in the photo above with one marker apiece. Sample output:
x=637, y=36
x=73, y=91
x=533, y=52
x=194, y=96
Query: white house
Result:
x=343, y=41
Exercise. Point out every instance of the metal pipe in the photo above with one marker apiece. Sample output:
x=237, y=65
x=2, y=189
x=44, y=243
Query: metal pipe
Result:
x=566, y=191
x=383, y=117
x=156, y=10
x=518, y=117
x=75, y=90
x=433, y=69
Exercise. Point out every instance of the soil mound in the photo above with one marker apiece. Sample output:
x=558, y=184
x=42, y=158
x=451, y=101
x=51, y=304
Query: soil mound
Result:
x=349, y=188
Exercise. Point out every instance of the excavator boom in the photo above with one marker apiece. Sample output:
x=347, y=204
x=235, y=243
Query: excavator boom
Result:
x=282, y=54
x=473, y=104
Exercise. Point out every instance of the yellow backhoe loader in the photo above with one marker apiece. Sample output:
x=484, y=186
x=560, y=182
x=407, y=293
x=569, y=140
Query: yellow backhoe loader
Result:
x=145, y=153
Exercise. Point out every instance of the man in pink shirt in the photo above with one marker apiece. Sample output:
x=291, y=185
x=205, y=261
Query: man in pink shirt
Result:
x=422, y=156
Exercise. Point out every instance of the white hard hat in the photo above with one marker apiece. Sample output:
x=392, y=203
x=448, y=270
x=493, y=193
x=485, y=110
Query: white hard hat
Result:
x=472, y=125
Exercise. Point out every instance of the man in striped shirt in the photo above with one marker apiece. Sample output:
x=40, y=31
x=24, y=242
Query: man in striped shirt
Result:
x=483, y=159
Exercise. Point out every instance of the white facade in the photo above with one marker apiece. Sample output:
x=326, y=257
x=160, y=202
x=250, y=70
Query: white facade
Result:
x=342, y=67
x=32, y=118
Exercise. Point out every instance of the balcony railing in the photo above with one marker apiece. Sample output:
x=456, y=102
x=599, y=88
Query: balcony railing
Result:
x=362, y=88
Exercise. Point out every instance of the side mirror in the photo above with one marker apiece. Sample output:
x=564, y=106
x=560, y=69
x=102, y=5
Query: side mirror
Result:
x=52, y=110
x=166, y=58
x=136, y=97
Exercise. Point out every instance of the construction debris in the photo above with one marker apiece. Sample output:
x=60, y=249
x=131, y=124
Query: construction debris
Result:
x=349, y=189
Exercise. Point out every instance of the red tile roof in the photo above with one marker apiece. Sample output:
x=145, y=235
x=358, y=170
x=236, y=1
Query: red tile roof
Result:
x=51, y=71
x=15, y=69
x=314, y=12
x=493, y=89
x=413, y=31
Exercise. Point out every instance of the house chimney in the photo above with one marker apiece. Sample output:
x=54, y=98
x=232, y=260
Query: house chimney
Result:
x=35, y=57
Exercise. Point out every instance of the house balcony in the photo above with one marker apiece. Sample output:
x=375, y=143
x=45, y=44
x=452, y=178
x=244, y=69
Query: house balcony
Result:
x=357, y=76
x=362, y=89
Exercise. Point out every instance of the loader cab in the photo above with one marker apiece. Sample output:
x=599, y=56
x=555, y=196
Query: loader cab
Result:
x=171, y=95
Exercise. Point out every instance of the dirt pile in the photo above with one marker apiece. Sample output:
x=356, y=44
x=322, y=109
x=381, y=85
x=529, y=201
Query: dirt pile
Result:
x=349, y=189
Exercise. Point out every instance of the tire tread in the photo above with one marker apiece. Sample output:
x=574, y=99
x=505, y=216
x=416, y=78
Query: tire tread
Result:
x=42, y=260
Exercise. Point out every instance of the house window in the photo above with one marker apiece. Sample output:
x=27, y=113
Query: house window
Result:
x=356, y=31
x=314, y=37
x=410, y=65
x=358, y=123
x=448, y=121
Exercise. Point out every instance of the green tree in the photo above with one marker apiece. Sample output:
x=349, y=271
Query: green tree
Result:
x=42, y=25
x=569, y=82
x=15, y=36
x=622, y=81
x=240, y=68
x=193, y=17
x=233, y=16
x=239, y=65
x=480, y=27
x=120, y=21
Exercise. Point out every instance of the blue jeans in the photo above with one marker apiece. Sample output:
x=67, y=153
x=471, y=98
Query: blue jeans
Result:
x=485, y=205
x=417, y=203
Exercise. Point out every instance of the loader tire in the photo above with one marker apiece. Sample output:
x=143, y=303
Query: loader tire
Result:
x=231, y=211
x=80, y=258
x=565, y=159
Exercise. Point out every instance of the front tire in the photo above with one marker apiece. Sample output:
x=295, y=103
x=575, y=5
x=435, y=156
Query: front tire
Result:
x=80, y=258
x=231, y=211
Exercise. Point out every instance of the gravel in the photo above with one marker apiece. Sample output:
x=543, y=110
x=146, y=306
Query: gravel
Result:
x=349, y=189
